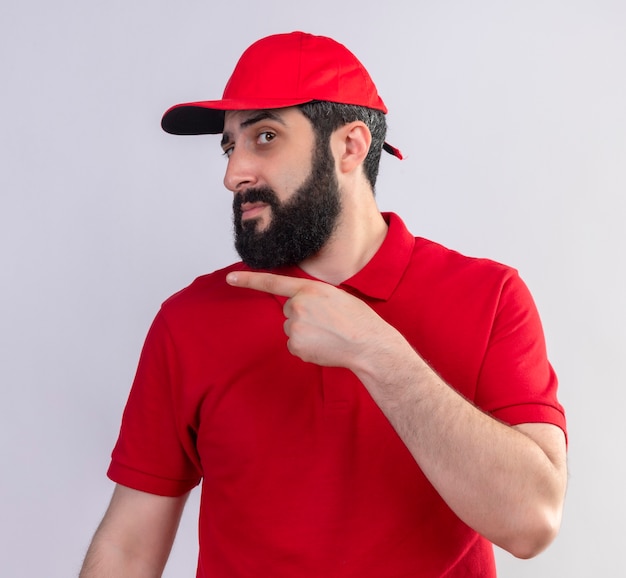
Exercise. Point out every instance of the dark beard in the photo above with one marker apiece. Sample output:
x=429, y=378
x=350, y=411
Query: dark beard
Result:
x=299, y=227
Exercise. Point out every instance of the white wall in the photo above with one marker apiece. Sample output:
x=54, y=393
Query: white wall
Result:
x=513, y=122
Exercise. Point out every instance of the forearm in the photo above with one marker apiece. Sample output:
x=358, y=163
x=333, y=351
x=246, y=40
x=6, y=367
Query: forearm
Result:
x=107, y=559
x=496, y=479
x=135, y=536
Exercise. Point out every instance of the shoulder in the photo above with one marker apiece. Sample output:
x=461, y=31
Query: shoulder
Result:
x=210, y=302
x=466, y=287
x=203, y=288
x=207, y=297
x=436, y=261
x=444, y=265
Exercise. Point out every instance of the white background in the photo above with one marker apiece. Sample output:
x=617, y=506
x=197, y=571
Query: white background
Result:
x=512, y=117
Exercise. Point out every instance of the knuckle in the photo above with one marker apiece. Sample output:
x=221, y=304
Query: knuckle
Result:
x=296, y=306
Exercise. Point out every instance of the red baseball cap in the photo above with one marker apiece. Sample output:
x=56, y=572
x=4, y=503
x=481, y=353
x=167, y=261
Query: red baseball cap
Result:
x=280, y=71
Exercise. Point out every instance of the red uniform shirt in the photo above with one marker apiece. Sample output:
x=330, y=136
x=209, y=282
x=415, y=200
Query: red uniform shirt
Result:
x=302, y=475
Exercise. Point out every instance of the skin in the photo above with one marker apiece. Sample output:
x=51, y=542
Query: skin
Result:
x=508, y=483
x=135, y=536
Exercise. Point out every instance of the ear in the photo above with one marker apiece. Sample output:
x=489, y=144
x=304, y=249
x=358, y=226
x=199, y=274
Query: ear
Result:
x=351, y=143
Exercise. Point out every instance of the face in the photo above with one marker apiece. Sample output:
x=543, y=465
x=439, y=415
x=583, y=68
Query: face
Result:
x=287, y=201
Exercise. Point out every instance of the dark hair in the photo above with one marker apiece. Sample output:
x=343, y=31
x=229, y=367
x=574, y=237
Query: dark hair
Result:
x=326, y=117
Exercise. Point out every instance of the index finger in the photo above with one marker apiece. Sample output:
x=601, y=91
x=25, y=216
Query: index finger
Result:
x=267, y=282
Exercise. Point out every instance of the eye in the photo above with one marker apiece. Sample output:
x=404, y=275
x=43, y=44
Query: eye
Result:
x=228, y=151
x=265, y=137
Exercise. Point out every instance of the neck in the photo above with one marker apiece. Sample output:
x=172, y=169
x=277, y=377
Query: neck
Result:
x=359, y=233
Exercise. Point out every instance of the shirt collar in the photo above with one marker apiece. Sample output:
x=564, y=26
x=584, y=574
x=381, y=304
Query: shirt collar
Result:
x=382, y=274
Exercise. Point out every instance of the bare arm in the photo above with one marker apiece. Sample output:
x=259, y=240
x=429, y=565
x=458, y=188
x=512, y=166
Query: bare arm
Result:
x=508, y=483
x=135, y=536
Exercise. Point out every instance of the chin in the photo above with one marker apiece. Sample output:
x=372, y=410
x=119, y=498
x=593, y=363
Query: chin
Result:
x=259, y=224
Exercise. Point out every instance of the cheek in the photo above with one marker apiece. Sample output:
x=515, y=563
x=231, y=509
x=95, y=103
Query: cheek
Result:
x=291, y=178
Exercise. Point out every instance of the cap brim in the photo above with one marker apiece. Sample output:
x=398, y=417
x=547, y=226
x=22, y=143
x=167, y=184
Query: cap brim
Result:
x=207, y=117
x=190, y=118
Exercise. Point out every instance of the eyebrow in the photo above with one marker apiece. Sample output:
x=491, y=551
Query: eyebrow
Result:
x=258, y=117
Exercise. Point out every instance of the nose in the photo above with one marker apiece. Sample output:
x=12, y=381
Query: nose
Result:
x=240, y=171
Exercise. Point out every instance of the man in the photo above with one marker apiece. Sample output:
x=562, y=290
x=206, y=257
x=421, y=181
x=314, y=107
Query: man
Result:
x=355, y=400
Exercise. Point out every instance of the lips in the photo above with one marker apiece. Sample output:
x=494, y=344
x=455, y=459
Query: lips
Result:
x=249, y=205
x=251, y=210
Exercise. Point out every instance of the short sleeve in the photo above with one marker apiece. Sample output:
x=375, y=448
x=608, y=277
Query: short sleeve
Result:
x=517, y=383
x=155, y=452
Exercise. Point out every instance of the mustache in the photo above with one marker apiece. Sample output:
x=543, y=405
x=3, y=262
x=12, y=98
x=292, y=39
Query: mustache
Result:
x=255, y=195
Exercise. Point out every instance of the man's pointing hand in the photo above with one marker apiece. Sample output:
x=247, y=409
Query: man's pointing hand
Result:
x=324, y=324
